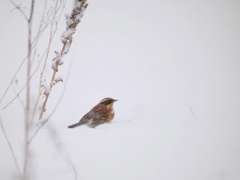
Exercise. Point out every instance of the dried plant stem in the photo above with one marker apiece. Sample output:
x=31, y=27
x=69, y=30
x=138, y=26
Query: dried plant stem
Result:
x=72, y=22
x=53, y=111
x=33, y=46
x=53, y=77
x=47, y=95
x=27, y=108
x=34, y=43
x=17, y=7
x=52, y=32
x=17, y=94
x=10, y=147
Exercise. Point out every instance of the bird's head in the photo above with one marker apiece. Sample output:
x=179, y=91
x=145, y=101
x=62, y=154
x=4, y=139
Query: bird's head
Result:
x=108, y=102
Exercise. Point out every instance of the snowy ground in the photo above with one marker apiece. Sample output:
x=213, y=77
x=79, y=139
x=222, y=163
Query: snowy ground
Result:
x=174, y=68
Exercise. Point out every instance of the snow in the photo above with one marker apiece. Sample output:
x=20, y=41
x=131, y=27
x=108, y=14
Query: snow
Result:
x=46, y=88
x=67, y=34
x=56, y=80
x=175, y=73
x=59, y=78
x=68, y=20
x=66, y=47
x=80, y=13
x=58, y=60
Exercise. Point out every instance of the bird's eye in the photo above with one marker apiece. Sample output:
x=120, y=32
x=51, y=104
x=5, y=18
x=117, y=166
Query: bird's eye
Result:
x=107, y=102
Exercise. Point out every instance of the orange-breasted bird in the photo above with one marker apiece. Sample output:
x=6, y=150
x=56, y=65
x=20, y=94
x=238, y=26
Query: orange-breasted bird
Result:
x=101, y=113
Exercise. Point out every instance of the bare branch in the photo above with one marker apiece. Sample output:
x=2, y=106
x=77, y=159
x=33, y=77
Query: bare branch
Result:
x=192, y=113
x=20, y=10
x=54, y=109
x=10, y=147
x=34, y=43
x=27, y=108
x=73, y=168
x=31, y=12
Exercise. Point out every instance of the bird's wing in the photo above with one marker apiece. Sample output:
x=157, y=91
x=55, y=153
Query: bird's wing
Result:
x=100, y=114
x=97, y=113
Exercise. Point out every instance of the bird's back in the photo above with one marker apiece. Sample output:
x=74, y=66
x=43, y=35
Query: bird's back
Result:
x=99, y=114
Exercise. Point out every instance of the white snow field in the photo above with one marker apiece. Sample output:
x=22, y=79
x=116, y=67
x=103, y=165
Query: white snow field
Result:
x=174, y=67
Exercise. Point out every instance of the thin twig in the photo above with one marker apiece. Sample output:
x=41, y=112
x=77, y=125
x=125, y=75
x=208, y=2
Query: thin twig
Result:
x=20, y=100
x=10, y=147
x=18, y=8
x=34, y=43
x=73, y=168
x=192, y=113
x=54, y=109
x=21, y=88
x=27, y=108
x=52, y=33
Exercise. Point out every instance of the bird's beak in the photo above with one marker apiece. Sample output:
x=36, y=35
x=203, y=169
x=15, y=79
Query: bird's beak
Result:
x=114, y=100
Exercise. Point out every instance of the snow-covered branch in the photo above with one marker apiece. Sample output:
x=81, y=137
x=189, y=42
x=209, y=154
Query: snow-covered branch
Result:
x=72, y=21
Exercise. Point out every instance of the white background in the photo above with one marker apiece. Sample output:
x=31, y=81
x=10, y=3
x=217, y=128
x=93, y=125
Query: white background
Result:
x=174, y=67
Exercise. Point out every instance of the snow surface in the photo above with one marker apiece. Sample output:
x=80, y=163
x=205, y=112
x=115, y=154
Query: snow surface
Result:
x=174, y=68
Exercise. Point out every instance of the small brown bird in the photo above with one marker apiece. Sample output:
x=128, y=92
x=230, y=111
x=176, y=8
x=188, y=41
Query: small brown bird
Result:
x=101, y=113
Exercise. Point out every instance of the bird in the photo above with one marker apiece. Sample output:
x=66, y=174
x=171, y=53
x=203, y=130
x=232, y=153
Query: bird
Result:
x=101, y=113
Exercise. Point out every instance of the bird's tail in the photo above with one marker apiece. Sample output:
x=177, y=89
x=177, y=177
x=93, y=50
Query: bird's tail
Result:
x=74, y=125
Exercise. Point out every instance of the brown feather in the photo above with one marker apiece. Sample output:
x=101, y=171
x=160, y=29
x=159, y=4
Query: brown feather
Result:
x=99, y=114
